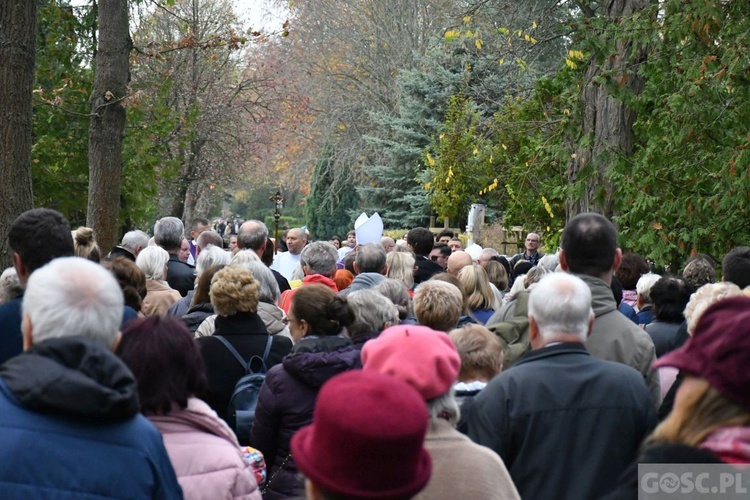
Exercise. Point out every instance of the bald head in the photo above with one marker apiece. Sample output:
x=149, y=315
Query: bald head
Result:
x=388, y=243
x=252, y=235
x=457, y=261
x=295, y=240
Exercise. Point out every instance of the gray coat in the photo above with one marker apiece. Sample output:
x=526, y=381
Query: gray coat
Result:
x=615, y=338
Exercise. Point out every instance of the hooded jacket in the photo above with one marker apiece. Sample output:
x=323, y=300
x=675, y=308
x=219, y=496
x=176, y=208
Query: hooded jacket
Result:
x=205, y=454
x=362, y=281
x=615, y=338
x=286, y=404
x=69, y=414
x=285, y=301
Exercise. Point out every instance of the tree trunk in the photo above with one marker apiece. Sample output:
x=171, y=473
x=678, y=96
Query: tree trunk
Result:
x=17, y=46
x=607, y=122
x=111, y=76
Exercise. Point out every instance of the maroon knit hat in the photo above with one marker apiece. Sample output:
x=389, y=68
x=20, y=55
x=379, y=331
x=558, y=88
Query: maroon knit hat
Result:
x=424, y=358
x=719, y=350
x=366, y=439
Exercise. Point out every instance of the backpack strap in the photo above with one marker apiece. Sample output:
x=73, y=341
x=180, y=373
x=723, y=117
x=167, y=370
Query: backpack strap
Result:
x=234, y=352
x=268, y=349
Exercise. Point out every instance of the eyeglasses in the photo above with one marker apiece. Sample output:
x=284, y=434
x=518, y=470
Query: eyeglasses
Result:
x=434, y=258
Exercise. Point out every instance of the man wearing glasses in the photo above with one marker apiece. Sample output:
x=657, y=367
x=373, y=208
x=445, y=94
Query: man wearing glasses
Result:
x=440, y=253
x=530, y=254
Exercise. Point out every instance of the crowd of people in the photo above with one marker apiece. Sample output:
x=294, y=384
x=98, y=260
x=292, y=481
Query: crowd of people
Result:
x=393, y=369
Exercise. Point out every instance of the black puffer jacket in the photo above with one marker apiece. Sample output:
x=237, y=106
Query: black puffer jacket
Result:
x=286, y=404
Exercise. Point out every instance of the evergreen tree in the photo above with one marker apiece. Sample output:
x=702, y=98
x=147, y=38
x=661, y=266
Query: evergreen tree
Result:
x=332, y=201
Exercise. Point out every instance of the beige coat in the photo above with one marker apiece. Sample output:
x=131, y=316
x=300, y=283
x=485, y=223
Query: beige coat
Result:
x=463, y=469
x=159, y=296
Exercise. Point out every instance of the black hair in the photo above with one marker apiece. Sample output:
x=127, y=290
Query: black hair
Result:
x=736, y=266
x=40, y=235
x=590, y=243
x=669, y=297
x=421, y=240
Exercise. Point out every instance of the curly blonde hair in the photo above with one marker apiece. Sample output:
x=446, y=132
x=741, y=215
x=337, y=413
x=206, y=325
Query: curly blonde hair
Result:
x=234, y=290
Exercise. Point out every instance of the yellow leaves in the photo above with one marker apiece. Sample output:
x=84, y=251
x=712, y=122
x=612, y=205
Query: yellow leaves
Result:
x=533, y=25
x=505, y=148
x=521, y=63
x=571, y=64
x=451, y=35
x=450, y=176
x=427, y=185
x=478, y=44
x=503, y=31
x=501, y=62
x=548, y=208
x=489, y=188
x=657, y=225
x=469, y=34
x=529, y=39
x=475, y=152
x=576, y=54
x=341, y=126
x=467, y=19
x=566, y=112
x=430, y=160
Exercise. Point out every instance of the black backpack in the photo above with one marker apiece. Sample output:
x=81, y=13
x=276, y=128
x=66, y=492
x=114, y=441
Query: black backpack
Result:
x=241, y=409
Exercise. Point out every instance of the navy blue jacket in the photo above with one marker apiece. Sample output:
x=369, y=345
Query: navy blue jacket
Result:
x=565, y=423
x=11, y=339
x=71, y=427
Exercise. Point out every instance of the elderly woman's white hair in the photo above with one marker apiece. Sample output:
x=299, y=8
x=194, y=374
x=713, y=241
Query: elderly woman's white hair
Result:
x=244, y=256
x=373, y=312
x=705, y=296
x=153, y=261
x=10, y=286
x=73, y=296
x=644, y=285
x=209, y=257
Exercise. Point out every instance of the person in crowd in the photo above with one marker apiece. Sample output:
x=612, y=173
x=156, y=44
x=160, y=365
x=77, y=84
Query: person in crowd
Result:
x=365, y=441
x=400, y=266
x=550, y=262
x=68, y=406
x=557, y=394
x=318, y=261
x=498, y=279
x=438, y=305
x=204, y=240
x=373, y=313
x=169, y=369
x=159, y=295
x=235, y=295
x=590, y=251
x=444, y=236
x=440, y=253
x=520, y=268
x=669, y=297
x=85, y=245
x=420, y=241
x=428, y=361
x=455, y=244
x=624, y=308
x=232, y=243
x=736, y=266
x=389, y=244
x=487, y=255
x=632, y=267
x=457, y=261
x=168, y=234
x=480, y=298
x=35, y=238
x=697, y=305
x=132, y=281
x=253, y=236
x=531, y=253
x=645, y=314
x=208, y=256
x=348, y=246
x=710, y=421
x=370, y=267
x=699, y=270
x=343, y=279
x=272, y=315
x=131, y=245
x=10, y=286
x=198, y=226
x=200, y=305
x=317, y=319
x=481, y=356
x=335, y=241
x=288, y=262
x=398, y=294
x=184, y=253
x=466, y=316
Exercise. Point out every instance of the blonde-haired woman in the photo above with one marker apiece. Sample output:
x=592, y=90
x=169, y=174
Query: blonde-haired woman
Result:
x=159, y=295
x=235, y=294
x=710, y=421
x=479, y=296
x=85, y=244
x=401, y=267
